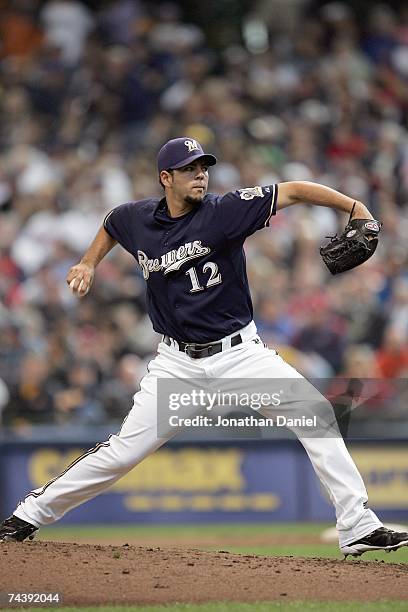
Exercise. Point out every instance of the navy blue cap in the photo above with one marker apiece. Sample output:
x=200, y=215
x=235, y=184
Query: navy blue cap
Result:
x=179, y=152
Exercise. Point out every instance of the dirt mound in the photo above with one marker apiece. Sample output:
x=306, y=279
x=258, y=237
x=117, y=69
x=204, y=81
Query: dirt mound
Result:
x=94, y=574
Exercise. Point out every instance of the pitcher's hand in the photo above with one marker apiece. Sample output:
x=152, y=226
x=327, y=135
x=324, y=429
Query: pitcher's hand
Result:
x=80, y=278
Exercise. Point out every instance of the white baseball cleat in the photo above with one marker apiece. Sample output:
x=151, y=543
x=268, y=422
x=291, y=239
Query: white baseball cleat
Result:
x=14, y=529
x=380, y=539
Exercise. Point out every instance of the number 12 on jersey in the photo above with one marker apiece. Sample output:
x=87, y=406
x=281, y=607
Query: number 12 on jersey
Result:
x=214, y=279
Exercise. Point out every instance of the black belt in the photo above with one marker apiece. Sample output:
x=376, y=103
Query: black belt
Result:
x=198, y=351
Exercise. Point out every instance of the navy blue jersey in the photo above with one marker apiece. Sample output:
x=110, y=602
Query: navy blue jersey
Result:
x=194, y=265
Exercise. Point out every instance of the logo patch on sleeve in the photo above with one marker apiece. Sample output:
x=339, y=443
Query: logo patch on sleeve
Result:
x=249, y=193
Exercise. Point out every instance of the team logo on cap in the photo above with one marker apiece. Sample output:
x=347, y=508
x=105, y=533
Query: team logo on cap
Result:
x=192, y=145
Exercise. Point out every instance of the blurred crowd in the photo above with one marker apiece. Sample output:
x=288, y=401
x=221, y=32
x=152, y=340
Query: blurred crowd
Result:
x=88, y=96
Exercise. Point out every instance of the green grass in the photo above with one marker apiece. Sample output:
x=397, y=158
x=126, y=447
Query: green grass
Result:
x=348, y=606
x=242, y=532
x=206, y=528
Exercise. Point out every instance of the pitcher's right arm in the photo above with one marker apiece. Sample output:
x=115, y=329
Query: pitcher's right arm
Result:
x=80, y=276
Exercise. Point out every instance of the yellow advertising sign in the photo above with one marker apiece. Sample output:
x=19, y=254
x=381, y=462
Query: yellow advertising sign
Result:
x=201, y=480
x=385, y=472
x=260, y=502
x=187, y=469
x=44, y=465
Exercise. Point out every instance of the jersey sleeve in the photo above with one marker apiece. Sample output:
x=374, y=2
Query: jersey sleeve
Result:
x=244, y=211
x=119, y=222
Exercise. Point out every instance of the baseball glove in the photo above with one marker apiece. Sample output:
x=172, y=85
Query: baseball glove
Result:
x=356, y=244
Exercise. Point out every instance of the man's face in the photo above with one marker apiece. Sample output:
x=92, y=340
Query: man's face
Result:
x=189, y=183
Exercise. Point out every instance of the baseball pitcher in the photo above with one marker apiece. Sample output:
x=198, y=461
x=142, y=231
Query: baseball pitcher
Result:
x=189, y=245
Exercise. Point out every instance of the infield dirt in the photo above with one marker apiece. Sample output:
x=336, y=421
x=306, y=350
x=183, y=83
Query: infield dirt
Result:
x=87, y=574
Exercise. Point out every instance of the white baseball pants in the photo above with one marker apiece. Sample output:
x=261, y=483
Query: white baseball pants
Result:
x=97, y=469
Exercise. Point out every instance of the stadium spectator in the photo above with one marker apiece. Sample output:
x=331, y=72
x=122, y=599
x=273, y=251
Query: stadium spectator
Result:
x=84, y=108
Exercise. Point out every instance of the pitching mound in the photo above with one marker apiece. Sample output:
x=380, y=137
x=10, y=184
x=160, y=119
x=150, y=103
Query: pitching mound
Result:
x=93, y=574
